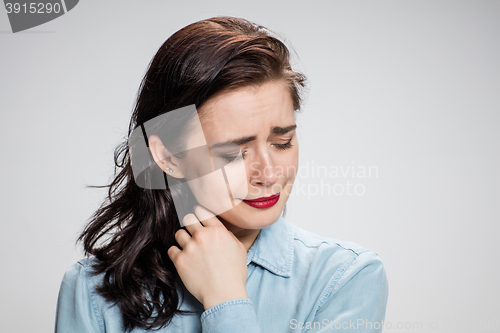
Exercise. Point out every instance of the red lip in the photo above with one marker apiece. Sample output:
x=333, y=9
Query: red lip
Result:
x=264, y=198
x=263, y=202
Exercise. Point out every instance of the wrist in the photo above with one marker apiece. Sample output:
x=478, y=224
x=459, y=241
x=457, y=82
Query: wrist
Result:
x=213, y=300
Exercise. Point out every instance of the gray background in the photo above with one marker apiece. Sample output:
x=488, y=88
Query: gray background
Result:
x=410, y=88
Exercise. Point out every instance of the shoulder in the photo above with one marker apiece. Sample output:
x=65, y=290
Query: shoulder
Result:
x=81, y=279
x=82, y=272
x=309, y=241
x=338, y=269
x=336, y=262
x=79, y=306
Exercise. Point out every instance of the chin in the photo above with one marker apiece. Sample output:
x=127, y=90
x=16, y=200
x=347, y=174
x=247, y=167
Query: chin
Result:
x=250, y=218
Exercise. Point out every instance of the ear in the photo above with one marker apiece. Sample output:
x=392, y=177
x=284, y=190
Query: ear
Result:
x=163, y=158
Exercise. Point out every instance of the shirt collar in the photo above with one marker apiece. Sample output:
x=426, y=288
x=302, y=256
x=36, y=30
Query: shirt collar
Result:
x=273, y=248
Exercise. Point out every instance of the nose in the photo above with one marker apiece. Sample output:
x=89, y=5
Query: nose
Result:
x=262, y=169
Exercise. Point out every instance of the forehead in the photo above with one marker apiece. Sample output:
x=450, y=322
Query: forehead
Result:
x=247, y=109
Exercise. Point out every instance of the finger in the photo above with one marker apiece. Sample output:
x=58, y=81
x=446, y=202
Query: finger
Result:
x=182, y=237
x=173, y=252
x=235, y=238
x=206, y=217
x=191, y=223
x=190, y=219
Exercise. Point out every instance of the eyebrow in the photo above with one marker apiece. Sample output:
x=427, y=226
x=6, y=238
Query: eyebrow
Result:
x=246, y=139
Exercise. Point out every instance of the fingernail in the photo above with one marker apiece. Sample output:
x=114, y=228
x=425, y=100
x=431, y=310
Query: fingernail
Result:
x=189, y=219
x=202, y=213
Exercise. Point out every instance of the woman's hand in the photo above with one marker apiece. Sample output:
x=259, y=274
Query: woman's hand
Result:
x=212, y=263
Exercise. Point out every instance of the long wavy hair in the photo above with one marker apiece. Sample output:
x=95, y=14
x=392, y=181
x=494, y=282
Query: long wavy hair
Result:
x=133, y=228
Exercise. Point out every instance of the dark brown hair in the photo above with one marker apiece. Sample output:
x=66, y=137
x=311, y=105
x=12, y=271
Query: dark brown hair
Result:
x=130, y=233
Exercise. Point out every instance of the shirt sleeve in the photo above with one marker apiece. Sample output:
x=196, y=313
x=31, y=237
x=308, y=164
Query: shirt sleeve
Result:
x=236, y=315
x=76, y=308
x=357, y=301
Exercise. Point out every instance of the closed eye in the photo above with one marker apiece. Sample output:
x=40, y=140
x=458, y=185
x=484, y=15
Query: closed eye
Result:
x=233, y=158
x=283, y=146
x=241, y=156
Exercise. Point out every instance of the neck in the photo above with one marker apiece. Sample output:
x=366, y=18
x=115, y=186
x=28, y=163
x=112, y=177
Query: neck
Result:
x=245, y=236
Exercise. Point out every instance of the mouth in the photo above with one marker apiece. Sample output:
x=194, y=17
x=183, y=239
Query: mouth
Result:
x=263, y=202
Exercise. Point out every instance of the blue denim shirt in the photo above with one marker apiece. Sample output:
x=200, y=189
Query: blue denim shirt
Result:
x=297, y=282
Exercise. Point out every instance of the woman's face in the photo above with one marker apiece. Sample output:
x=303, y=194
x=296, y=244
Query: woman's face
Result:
x=262, y=119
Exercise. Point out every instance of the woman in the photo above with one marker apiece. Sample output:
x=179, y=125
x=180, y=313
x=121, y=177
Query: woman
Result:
x=191, y=238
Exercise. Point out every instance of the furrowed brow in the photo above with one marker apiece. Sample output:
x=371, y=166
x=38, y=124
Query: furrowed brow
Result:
x=238, y=141
x=283, y=130
x=246, y=139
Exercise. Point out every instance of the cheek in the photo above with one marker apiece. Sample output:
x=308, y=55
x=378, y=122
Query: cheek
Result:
x=220, y=190
x=236, y=176
x=288, y=166
x=211, y=192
